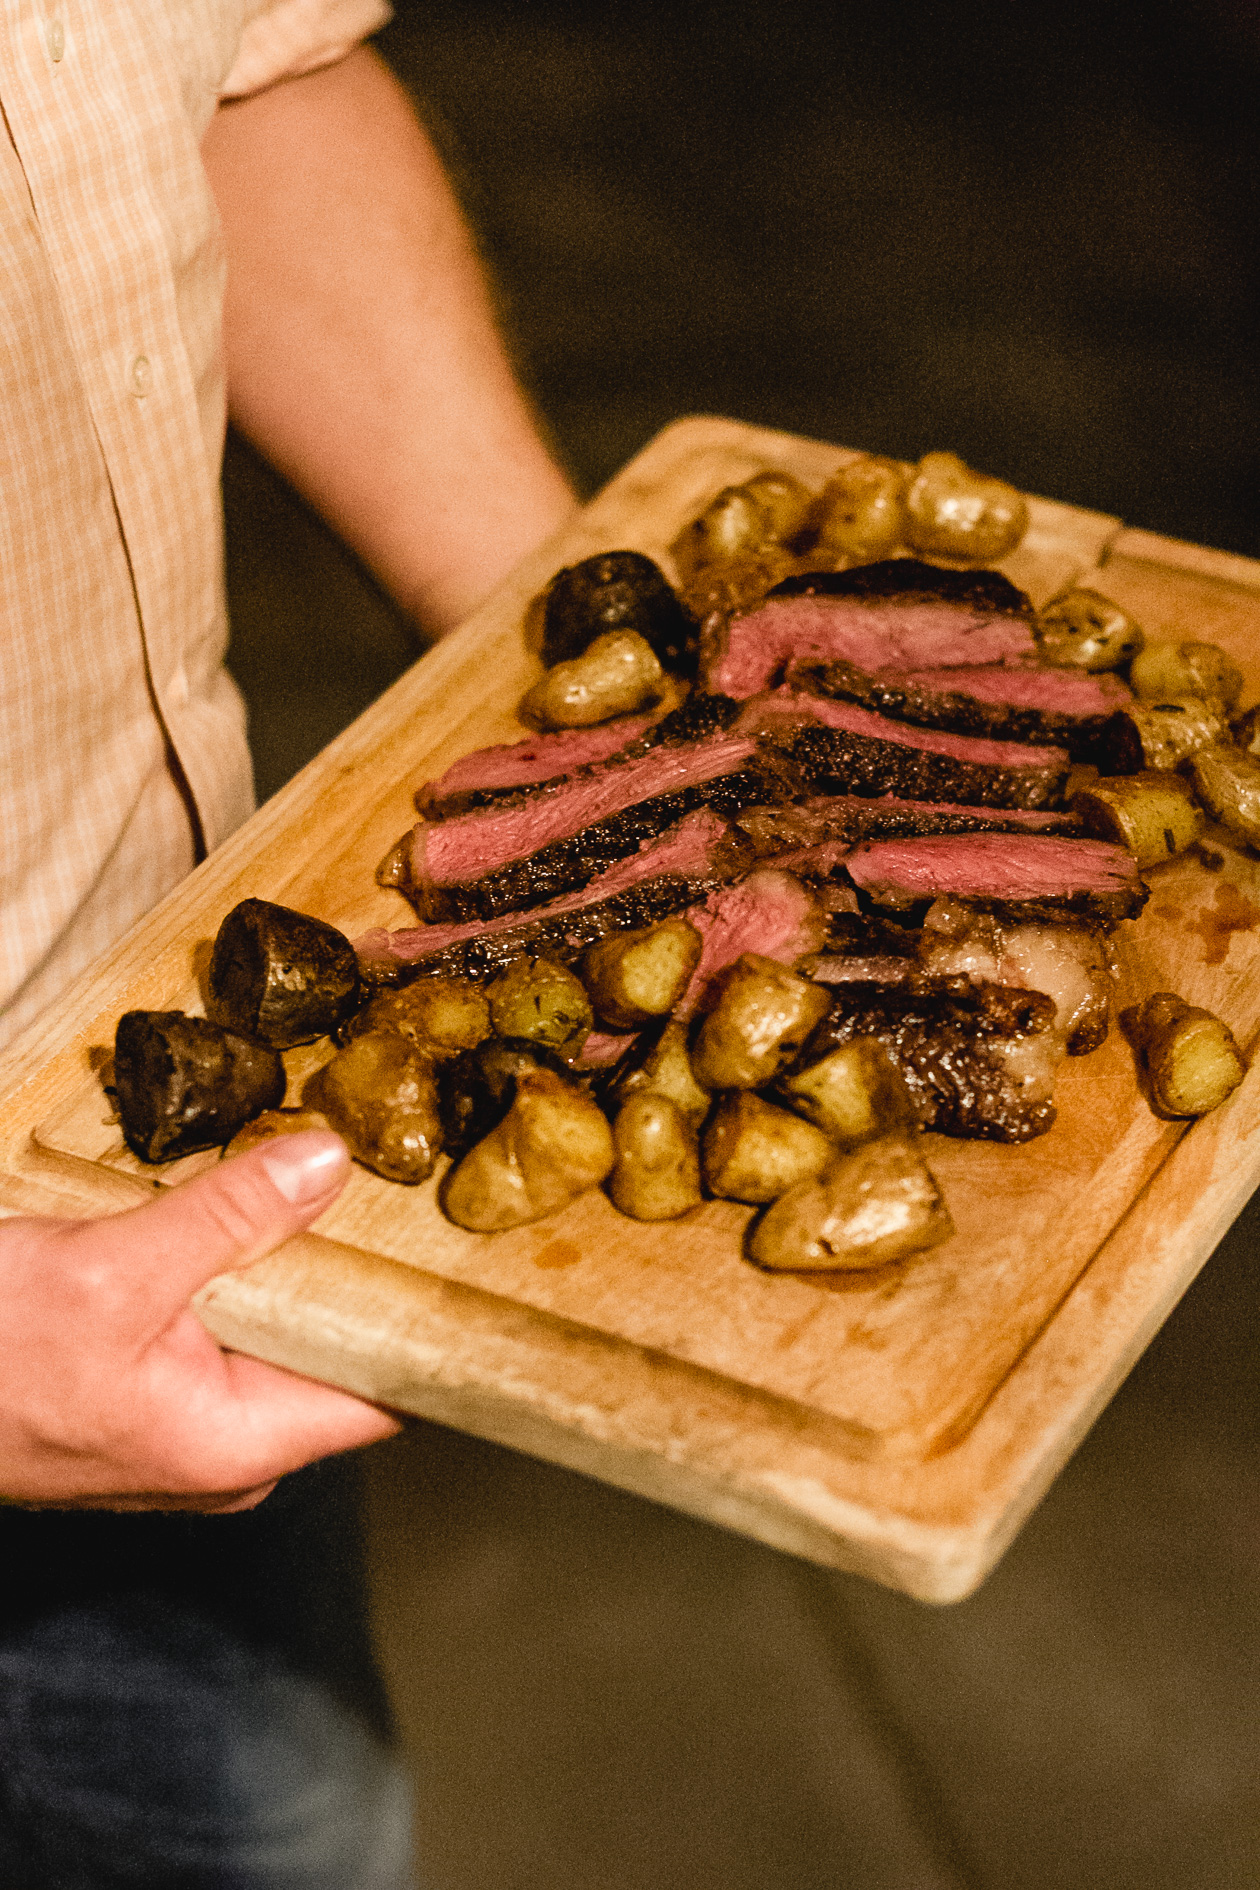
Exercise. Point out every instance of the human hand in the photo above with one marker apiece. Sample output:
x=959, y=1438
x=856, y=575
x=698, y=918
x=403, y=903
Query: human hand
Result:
x=112, y=1393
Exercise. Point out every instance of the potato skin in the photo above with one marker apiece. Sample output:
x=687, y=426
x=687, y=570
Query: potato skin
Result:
x=634, y=977
x=553, y=1144
x=1187, y=1056
x=478, y=1087
x=787, y=502
x=186, y=1083
x=617, y=674
x=660, y=1063
x=541, y=1001
x=762, y=1016
x=1152, y=813
x=1082, y=629
x=755, y=1152
x=1162, y=735
x=616, y=590
x=380, y=1095
x=876, y=1204
x=735, y=524
x=860, y=514
x=962, y=516
x=442, y=1016
x=853, y=1094
x=1166, y=671
x=656, y=1173
x=280, y=975
x=1227, y=782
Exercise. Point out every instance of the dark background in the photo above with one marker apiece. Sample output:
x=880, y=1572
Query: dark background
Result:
x=1031, y=238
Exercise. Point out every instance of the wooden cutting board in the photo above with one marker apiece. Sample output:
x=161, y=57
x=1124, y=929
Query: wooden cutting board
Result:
x=899, y=1422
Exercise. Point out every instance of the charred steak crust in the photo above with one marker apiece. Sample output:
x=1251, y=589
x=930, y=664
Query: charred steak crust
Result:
x=850, y=818
x=910, y=578
x=842, y=761
x=939, y=1032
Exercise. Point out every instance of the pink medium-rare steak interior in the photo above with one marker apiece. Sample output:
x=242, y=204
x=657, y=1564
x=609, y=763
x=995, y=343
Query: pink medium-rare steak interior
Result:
x=875, y=633
x=770, y=912
x=469, y=844
x=781, y=706
x=537, y=758
x=1026, y=685
x=991, y=866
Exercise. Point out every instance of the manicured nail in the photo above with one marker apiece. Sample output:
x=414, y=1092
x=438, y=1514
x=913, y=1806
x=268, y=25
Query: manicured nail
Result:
x=305, y=1166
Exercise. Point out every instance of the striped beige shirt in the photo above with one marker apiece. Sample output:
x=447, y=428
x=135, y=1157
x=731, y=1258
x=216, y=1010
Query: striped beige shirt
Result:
x=116, y=715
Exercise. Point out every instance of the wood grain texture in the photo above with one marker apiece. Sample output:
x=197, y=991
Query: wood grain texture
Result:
x=900, y=1424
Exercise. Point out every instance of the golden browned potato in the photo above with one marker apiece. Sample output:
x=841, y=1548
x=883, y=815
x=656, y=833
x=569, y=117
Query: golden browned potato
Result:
x=1082, y=629
x=755, y=1152
x=875, y=1204
x=962, y=516
x=1152, y=814
x=663, y=1067
x=656, y=1174
x=860, y=514
x=553, y=1144
x=380, y=1094
x=763, y=1014
x=732, y=525
x=633, y=977
x=1169, y=732
x=1164, y=672
x=1187, y=1056
x=618, y=674
x=1227, y=782
x=853, y=1093
x=442, y=1015
x=274, y=1122
x=787, y=502
x=541, y=1001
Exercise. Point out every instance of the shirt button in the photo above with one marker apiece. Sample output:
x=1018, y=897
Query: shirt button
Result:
x=141, y=376
x=56, y=40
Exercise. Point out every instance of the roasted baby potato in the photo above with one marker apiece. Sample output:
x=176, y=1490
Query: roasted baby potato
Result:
x=860, y=514
x=478, y=1087
x=659, y=1063
x=787, y=502
x=1082, y=629
x=733, y=525
x=274, y=1122
x=1161, y=735
x=440, y=1015
x=763, y=1014
x=616, y=590
x=634, y=977
x=755, y=1152
x=541, y=1001
x=1152, y=813
x=877, y=1203
x=962, y=516
x=380, y=1094
x=1187, y=1056
x=1246, y=731
x=1227, y=782
x=1164, y=672
x=280, y=976
x=552, y=1145
x=656, y=1173
x=853, y=1093
x=618, y=674
x=184, y=1083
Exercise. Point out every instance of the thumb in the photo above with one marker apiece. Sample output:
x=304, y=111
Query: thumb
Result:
x=161, y=1253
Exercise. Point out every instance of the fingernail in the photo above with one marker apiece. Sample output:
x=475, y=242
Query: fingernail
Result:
x=305, y=1166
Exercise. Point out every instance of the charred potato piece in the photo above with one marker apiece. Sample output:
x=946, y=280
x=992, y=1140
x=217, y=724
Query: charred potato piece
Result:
x=877, y=1203
x=763, y=1014
x=616, y=675
x=380, y=1094
x=659, y=1063
x=1166, y=671
x=184, y=1083
x=280, y=976
x=1227, y=782
x=1082, y=629
x=853, y=1094
x=1188, y=1057
x=477, y=1088
x=274, y=1122
x=633, y=977
x=787, y=502
x=552, y=1145
x=755, y=1152
x=960, y=515
x=860, y=514
x=616, y=590
x=541, y=1001
x=440, y=1015
x=1159, y=736
x=1152, y=813
x=656, y=1173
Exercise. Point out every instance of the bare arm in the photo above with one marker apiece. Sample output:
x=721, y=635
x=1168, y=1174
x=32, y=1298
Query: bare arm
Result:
x=362, y=355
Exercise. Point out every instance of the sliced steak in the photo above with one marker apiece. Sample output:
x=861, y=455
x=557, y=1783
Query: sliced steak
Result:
x=978, y=1059
x=698, y=856
x=896, y=614
x=770, y=912
x=1013, y=702
x=850, y=818
x=1029, y=876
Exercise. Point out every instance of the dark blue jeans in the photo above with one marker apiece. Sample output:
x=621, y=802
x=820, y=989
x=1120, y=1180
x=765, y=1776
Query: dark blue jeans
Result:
x=189, y=1703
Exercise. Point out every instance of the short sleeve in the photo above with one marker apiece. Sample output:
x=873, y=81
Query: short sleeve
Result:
x=285, y=38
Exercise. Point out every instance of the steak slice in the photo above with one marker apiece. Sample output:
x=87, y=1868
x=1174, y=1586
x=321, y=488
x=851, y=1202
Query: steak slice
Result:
x=899, y=613
x=770, y=913
x=850, y=818
x=697, y=857
x=1012, y=702
x=978, y=1059
x=1027, y=876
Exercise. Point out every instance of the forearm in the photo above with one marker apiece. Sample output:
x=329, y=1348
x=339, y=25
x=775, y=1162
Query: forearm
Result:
x=362, y=354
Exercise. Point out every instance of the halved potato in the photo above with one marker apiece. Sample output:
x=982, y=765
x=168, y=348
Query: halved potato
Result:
x=876, y=1204
x=1188, y=1057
